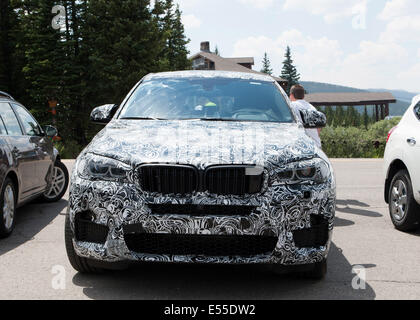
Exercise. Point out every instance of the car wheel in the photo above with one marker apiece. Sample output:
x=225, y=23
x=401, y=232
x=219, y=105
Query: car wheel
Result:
x=59, y=183
x=7, y=208
x=78, y=263
x=317, y=272
x=403, y=208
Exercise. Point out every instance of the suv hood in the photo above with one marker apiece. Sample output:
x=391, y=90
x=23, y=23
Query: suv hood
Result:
x=202, y=143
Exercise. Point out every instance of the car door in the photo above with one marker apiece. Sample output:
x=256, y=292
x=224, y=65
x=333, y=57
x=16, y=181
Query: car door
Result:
x=23, y=151
x=413, y=150
x=43, y=146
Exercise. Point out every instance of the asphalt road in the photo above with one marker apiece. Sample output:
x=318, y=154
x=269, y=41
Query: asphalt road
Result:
x=34, y=265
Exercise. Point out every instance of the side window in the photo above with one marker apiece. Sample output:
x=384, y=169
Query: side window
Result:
x=417, y=110
x=30, y=125
x=9, y=120
x=3, y=131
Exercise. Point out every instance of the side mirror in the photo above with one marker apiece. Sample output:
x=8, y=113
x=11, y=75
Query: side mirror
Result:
x=313, y=119
x=50, y=131
x=103, y=114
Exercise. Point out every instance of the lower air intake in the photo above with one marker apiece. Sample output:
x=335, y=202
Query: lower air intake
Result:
x=87, y=231
x=214, y=246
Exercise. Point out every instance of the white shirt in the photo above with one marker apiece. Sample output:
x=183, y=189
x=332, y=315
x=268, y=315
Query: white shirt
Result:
x=303, y=105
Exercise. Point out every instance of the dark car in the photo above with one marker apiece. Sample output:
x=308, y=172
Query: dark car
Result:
x=30, y=166
x=202, y=167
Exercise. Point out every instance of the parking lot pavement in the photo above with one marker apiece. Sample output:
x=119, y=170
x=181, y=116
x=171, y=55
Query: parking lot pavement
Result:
x=33, y=260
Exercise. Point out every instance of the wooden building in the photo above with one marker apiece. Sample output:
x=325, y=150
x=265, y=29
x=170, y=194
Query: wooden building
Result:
x=206, y=60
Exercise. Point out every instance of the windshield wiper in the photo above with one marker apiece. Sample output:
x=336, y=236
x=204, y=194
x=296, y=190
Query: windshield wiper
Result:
x=142, y=118
x=218, y=119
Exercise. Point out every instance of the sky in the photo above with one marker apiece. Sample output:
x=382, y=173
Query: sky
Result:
x=358, y=43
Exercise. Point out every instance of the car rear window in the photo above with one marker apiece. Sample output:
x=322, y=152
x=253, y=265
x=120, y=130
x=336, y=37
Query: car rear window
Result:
x=417, y=110
x=208, y=98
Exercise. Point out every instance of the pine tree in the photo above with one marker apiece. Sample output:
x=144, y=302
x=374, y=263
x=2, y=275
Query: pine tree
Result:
x=266, y=65
x=44, y=55
x=289, y=71
x=179, y=51
x=11, y=55
x=366, y=118
x=125, y=42
x=217, y=51
x=6, y=45
x=329, y=113
x=174, y=52
x=339, y=116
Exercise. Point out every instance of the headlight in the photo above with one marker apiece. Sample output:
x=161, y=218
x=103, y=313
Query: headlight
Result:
x=311, y=171
x=94, y=167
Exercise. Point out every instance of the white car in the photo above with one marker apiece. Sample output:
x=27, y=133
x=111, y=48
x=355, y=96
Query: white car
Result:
x=402, y=169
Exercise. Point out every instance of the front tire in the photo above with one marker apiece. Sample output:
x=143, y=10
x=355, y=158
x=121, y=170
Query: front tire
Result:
x=7, y=208
x=80, y=264
x=403, y=208
x=58, y=185
x=318, y=271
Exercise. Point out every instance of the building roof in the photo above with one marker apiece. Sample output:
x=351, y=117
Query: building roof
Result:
x=210, y=74
x=244, y=60
x=228, y=64
x=350, y=98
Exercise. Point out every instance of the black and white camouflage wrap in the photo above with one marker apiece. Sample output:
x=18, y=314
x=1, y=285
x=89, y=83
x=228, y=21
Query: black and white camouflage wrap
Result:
x=118, y=201
x=104, y=112
x=313, y=119
x=281, y=207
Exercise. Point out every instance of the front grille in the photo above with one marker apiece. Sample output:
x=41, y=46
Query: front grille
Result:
x=314, y=237
x=168, y=179
x=213, y=246
x=201, y=210
x=88, y=231
x=234, y=180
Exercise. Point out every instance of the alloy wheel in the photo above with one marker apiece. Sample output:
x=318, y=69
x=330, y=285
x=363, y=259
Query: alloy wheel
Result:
x=58, y=183
x=8, y=206
x=399, y=200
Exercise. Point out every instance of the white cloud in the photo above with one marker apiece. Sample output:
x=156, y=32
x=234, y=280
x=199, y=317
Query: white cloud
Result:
x=188, y=4
x=418, y=53
x=404, y=28
x=190, y=21
x=311, y=55
x=410, y=76
x=398, y=8
x=331, y=10
x=322, y=59
x=260, y=4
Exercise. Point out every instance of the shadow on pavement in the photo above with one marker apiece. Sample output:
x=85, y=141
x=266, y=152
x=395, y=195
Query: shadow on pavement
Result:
x=30, y=220
x=348, y=206
x=157, y=281
x=340, y=222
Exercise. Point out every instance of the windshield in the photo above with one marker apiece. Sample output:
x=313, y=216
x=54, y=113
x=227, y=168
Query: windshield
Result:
x=215, y=99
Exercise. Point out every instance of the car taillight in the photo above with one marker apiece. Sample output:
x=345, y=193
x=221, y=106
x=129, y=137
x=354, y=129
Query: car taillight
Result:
x=390, y=132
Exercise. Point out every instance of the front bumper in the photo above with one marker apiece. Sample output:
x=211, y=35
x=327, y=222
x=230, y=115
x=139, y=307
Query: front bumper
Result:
x=279, y=212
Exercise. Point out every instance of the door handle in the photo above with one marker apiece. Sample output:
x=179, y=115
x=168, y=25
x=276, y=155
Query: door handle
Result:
x=411, y=141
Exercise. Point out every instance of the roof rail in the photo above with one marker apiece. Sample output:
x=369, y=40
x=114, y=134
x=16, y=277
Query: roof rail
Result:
x=4, y=94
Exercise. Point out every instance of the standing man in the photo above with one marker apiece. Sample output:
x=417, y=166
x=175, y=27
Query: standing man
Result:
x=297, y=96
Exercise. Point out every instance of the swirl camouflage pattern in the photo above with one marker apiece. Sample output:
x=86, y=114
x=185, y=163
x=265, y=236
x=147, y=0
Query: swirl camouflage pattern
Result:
x=107, y=191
